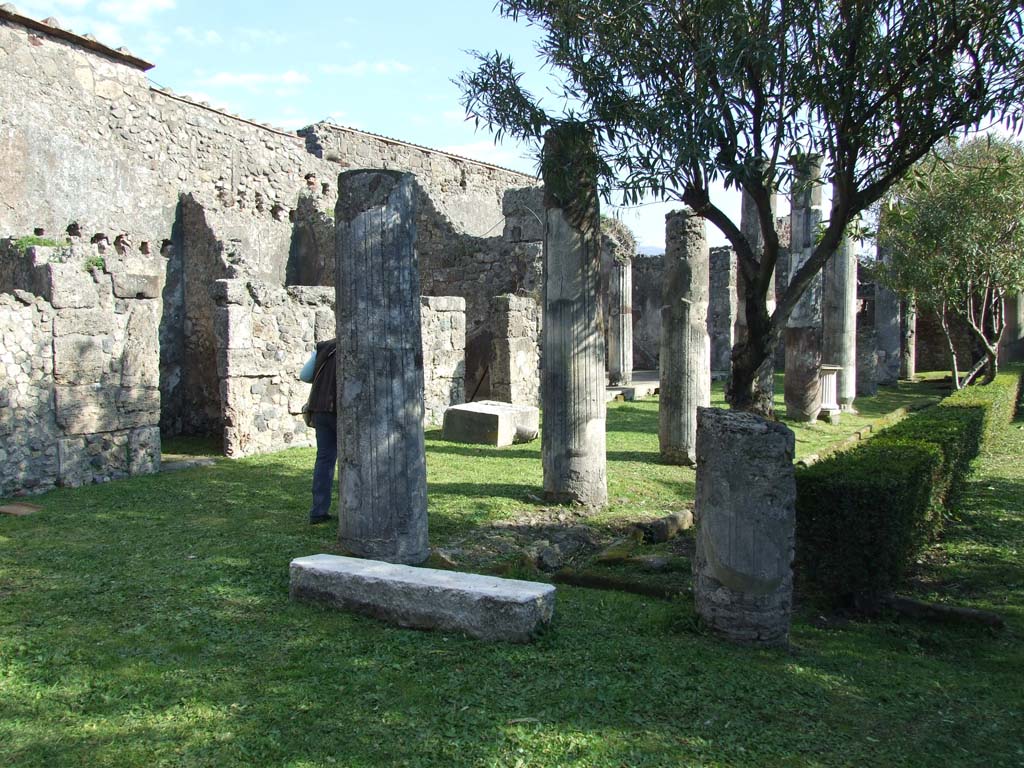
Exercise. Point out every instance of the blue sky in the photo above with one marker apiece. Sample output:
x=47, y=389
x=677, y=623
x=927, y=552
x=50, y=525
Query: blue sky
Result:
x=383, y=67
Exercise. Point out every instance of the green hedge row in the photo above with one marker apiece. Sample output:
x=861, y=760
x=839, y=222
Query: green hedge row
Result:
x=863, y=515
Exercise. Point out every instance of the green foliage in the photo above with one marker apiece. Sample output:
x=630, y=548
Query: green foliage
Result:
x=682, y=95
x=954, y=231
x=95, y=262
x=865, y=515
x=24, y=243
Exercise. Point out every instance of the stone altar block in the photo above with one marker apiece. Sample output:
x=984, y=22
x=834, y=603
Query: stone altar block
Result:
x=486, y=607
x=491, y=423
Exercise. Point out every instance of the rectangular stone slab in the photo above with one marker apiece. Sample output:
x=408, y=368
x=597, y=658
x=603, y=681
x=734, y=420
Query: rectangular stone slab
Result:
x=491, y=423
x=485, y=607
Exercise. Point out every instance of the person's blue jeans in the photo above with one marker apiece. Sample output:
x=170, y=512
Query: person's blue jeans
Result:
x=326, y=426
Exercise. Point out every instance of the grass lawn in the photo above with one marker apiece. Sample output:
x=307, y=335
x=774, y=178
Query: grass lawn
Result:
x=147, y=622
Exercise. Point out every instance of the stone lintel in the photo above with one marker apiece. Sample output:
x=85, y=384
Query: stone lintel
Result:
x=491, y=423
x=485, y=607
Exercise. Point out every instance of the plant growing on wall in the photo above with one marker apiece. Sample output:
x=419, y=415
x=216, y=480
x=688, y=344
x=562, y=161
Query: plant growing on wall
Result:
x=954, y=229
x=681, y=94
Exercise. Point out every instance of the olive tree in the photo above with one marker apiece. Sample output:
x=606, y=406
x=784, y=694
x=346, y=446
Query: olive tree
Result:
x=681, y=93
x=954, y=230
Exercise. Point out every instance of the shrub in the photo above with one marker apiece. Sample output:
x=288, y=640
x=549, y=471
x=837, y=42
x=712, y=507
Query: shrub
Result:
x=864, y=515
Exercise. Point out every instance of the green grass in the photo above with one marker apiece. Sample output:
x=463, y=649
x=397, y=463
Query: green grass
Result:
x=147, y=623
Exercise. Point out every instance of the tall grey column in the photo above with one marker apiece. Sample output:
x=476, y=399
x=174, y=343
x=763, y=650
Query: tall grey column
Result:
x=382, y=470
x=887, y=327
x=620, y=320
x=908, y=340
x=572, y=372
x=721, y=309
x=745, y=515
x=839, y=319
x=750, y=226
x=802, y=387
x=685, y=359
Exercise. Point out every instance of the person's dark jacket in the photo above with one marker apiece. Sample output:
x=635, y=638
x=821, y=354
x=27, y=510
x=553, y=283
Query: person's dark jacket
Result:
x=323, y=396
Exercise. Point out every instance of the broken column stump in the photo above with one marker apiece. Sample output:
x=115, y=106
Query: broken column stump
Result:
x=685, y=359
x=382, y=507
x=572, y=376
x=745, y=515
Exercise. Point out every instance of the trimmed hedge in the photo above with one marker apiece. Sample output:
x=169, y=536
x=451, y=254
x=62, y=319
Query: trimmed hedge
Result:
x=862, y=516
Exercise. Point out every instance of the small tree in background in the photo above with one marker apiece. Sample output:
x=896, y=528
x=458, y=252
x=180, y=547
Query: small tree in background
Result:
x=681, y=94
x=954, y=229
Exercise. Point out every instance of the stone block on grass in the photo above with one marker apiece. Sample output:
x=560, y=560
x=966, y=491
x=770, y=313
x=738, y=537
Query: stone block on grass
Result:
x=485, y=607
x=491, y=423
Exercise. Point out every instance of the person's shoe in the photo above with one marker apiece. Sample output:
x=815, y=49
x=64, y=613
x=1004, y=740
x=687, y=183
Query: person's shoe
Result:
x=320, y=519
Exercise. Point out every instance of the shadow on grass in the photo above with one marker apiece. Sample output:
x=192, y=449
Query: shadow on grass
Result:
x=531, y=452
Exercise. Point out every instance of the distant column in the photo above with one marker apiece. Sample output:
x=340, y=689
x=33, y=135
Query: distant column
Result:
x=721, y=309
x=620, y=320
x=745, y=516
x=685, y=367
x=382, y=468
x=839, y=319
x=803, y=329
x=572, y=374
x=908, y=341
x=750, y=226
x=887, y=327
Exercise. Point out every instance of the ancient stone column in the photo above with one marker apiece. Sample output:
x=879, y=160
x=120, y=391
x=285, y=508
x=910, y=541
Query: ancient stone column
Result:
x=839, y=319
x=721, y=309
x=803, y=329
x=867, y=362
x=908, y=340
x=887, y=328
x=382, y=469
x=685, y=359
x=620, y=321
x=745, y=515
x=572, y=373
x=750, y=225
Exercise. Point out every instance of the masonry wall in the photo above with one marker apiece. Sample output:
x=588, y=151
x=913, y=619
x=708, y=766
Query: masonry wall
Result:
x=647, y=285
x=79, y=395
x=515, y=362
x=443, y=325
x=88, y=146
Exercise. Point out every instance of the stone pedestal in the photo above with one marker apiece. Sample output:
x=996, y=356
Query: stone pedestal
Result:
x=839, y=319
x=685, y=358
x=803, y=329
x=491, y=423
x=573, y=377
x=745, y=514
x=381, y=460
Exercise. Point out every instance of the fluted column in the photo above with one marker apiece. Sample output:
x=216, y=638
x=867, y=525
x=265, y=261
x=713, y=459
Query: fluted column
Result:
x=802, y=388
x=572, y=377
x=685, y=358
x=382, y=469
x=887, y=327
x=620, y=320
x=839, y=319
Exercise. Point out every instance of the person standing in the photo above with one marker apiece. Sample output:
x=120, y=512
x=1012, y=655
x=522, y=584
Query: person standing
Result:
x=321, y=371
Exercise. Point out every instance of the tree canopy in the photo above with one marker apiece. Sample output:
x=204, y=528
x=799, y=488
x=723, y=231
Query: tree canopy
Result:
x=680, y=93
x=954, y=232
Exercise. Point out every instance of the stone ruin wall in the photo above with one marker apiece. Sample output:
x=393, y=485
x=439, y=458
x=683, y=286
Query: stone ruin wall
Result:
x=443, y=320
x=91, y=151
x=515, y=362
x=79, y=368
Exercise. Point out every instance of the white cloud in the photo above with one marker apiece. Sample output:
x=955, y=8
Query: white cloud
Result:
x=134, y=11
x=254, y=80
x=261, y=36
x=189, y=35
x=363, y=67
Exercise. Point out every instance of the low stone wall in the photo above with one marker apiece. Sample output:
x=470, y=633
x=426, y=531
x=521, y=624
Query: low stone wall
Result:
x=443, y=323
x=79, y=367
x=515, y=363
